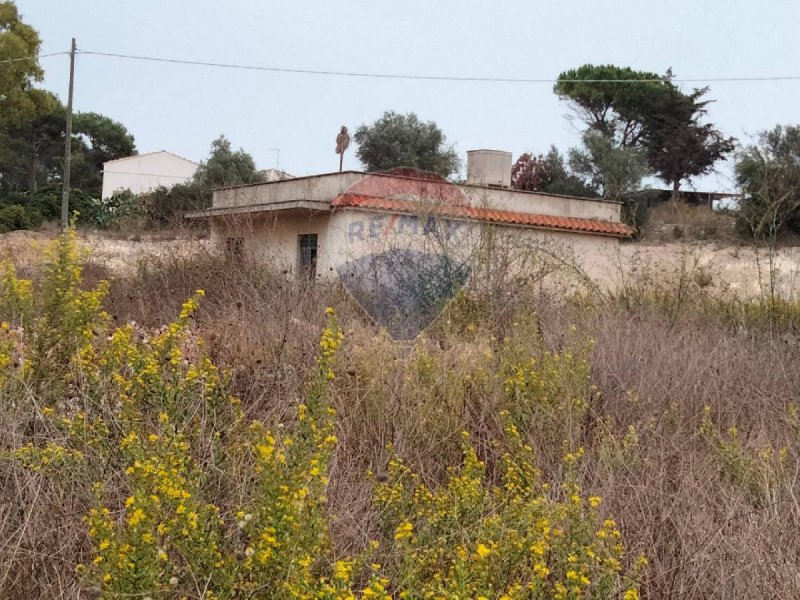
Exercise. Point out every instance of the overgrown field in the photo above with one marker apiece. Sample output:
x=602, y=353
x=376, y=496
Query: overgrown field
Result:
x=203, y=429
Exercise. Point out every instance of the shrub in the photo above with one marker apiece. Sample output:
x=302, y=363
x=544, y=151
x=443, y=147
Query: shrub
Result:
x=110, y=212
x=48, y=201
x=760, y=474
x=166, y=206
x=45, y=205
x=13, y=217
x=469, y=539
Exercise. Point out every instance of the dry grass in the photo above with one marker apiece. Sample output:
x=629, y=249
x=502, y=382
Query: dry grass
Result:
x=703, y=533
x=689, y=222
x=678, y=496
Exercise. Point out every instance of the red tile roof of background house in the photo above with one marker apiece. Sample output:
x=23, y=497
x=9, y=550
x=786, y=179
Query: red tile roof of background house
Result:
x=485, y=214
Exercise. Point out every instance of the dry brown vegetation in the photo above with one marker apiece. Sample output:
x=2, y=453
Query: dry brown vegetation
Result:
x=691, y=433
x=689, y=222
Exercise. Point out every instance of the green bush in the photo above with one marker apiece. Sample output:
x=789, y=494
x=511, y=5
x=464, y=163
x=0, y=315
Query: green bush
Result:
x=163, y=207
x=48, y=201
x=19, y=212
x=31, y=210
x=14, y=217
x=110, y=212
x=166, y=206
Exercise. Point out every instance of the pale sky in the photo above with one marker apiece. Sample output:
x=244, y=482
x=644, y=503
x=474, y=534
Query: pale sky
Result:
x=182, y=108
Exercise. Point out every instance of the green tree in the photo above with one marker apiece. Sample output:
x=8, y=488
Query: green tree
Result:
x=19, y=100
x=165, y=207
x=397, y=140
x=226, y=167
x=769, y=175
x=638, y=111
x=98, y=139
x=107, y=139
x=678, y=145
x=33, y=130
x=615, y=101
x=32, y=151
x=607, y=168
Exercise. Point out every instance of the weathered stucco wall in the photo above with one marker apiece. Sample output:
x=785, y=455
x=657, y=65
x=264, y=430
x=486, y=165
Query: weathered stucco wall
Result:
x=543, y=204
x=353, y=234
x=274, y=241
x=347, y=235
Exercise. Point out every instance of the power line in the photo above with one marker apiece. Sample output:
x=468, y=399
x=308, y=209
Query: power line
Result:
x=13, y=60
x=399, y=75
x=429, y=77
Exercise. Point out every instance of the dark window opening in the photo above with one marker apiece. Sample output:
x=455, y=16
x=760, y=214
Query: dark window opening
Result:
x=234, y=247
x=307, y=244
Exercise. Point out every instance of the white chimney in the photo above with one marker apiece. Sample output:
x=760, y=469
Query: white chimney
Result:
x=489, y=167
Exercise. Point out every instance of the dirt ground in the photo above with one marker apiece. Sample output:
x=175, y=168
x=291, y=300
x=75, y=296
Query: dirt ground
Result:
x=722, y=266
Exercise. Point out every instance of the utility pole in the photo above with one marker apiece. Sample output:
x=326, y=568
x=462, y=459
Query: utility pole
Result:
x=68, y=143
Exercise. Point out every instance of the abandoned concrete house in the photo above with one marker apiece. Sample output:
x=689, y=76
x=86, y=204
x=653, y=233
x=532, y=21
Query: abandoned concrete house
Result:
x=313, y=225
x=404, y=232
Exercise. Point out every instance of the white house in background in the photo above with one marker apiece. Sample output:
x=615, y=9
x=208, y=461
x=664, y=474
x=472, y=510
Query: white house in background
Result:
x=145, y=172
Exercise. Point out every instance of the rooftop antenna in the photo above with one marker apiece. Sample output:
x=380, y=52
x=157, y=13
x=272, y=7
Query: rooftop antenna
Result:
x=342, y=142
x=277, y=157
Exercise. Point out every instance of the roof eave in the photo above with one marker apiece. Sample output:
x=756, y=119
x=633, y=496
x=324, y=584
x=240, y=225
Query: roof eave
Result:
x=310, y=205
x=341, y=203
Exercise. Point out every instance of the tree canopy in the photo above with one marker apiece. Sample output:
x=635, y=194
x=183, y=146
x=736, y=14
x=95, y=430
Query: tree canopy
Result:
x=678, y=145
x=616, y=101
x=397, y=140
x=769, y=175
x=104, y=139
x=226, y=167
x=32, y=138
x=33, y=150
x=223, y=167
x=610, y=170
x=100, y=139
x=19, y=100
x=33, y=127
x=639, y=111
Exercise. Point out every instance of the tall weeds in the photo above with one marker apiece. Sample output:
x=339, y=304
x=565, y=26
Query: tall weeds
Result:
x=134, y=466
x=642, y=443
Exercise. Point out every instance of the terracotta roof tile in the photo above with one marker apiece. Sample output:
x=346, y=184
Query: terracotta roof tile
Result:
x=485, y=214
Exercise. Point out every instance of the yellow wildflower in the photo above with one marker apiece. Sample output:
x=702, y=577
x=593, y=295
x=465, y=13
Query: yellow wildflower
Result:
x=404, y=530
x=482, y=551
